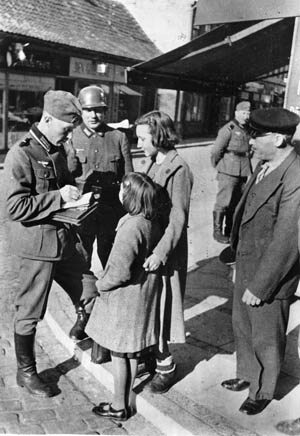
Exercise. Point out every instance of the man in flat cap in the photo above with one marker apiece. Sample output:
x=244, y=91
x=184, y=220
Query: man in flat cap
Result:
x=38, y=184
x=230, y=156
x=264, y=238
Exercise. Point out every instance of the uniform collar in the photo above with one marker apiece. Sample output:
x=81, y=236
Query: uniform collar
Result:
x=41, y=139
x=89, y=132
x=241, y=126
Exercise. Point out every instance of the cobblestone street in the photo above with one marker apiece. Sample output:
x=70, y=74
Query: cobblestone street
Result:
x=69, y=411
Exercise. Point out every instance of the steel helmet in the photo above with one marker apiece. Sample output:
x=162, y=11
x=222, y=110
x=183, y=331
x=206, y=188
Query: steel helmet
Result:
x=92, y=96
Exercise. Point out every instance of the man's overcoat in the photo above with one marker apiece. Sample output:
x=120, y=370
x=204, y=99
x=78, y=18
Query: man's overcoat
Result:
x=265, y=233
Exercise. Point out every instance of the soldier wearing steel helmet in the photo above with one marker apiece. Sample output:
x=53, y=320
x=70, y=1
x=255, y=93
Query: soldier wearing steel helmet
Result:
x=99, y=156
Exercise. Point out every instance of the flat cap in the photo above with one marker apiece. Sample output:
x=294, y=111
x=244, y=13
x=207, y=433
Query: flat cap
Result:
x=243, y=106
x=62, y=105
x=277, y=120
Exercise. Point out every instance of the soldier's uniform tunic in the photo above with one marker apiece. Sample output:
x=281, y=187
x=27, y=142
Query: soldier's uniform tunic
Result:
x=230, y=156
x=36, y=170
x=99, y=160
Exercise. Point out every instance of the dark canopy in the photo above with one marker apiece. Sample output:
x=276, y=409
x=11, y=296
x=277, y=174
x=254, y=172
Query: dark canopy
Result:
x=224, y=58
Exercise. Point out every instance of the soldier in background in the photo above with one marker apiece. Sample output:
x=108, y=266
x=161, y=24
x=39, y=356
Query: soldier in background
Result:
x=98, y=157
x=230, y=156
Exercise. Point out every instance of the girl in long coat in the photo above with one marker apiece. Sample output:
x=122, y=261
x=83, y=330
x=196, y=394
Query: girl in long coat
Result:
x=157, y=138
x=125, y=317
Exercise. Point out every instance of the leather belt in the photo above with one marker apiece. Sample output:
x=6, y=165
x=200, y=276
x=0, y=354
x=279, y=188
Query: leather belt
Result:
x=238, y=153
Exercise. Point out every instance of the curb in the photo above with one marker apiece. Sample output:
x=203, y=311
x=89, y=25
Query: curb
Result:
x=166, y=424
x=172, y=413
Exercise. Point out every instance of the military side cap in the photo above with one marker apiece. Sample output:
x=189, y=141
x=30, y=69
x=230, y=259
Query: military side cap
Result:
x=278, y=120
x=243, y=106
x=62, y=105
x=227, y=256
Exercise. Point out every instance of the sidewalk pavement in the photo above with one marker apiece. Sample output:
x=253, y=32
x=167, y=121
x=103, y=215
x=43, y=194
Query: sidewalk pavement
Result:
x=196, y=404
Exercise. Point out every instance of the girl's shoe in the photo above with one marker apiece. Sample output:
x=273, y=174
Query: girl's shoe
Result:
x=107, y=411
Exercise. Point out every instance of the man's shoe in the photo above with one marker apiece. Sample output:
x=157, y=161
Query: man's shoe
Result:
x=33, y=384
x=106, y=411
x=146, y=367
x=291, y=427
x=77, y=332
x=235, y=384
x=253, y=407
x=162, y=382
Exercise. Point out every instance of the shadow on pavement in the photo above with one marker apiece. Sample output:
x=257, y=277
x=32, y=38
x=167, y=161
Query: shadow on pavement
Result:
x=208, y=303
x=52, y=375
x=208, y=312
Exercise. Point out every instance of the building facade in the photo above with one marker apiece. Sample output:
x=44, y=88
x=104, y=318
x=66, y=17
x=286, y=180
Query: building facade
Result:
x=57, y=44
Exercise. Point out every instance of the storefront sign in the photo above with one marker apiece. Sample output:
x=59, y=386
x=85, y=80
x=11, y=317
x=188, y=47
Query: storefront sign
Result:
x=22, y=82
x=87, y=69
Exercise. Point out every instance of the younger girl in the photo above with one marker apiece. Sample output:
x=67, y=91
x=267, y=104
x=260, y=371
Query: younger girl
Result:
x=124, y=318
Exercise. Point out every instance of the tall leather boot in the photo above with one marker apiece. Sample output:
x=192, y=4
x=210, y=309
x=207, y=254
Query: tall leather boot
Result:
x=77, y=332
x=27, y=376
x=218, y=217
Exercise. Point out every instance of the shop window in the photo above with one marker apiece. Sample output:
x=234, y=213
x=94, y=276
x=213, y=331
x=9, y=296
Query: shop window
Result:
x=24, y=109
x=194, y=107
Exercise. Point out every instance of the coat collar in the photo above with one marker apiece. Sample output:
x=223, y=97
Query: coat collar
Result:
x=168, y=166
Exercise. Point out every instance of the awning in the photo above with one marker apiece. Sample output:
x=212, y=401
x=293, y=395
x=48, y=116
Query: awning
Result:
x=123, y=89
x=222, y=59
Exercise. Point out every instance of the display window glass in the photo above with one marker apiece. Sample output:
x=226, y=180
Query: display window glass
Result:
x=24, y=109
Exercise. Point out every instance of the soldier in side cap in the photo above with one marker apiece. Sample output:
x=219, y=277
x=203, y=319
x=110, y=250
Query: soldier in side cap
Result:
x=230, y=156
x=38, y=184
x=264, y=238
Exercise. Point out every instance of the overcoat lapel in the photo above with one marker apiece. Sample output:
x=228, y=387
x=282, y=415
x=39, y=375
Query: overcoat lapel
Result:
x=266, y=189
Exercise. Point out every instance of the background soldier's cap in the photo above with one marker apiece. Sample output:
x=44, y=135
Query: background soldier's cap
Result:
x=62, y=105
x=243, y=106
x=276, y=120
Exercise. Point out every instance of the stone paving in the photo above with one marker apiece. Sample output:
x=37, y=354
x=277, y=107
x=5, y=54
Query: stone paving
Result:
x=70, y=411
x=196, y=405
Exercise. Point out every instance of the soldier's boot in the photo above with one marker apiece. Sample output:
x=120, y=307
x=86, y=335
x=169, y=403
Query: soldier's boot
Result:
x=27, y=376
x=228, y=223
x=218, y=218
x=77, y=332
